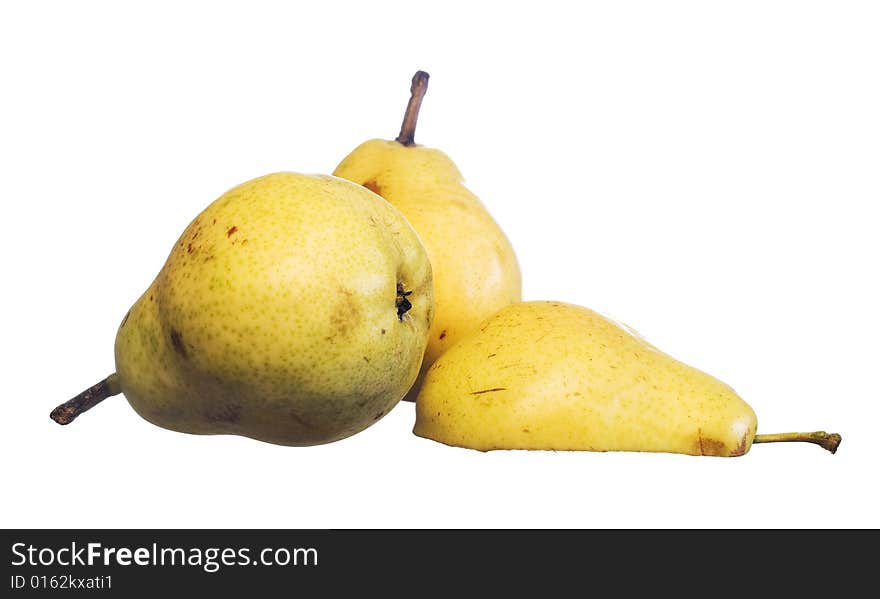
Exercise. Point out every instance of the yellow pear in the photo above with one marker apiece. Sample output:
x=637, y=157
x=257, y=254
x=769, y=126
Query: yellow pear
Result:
x=475, y=269
x=551, y=375
x=294, y=310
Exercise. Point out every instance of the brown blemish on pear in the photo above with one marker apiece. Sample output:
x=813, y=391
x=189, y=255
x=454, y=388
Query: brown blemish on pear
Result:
x=228, y=414
x=709, y=446
x=177, y=343
x=492, y=390
x=296, y=417
x=347, y=315
x=741, y=448
x=373, y=186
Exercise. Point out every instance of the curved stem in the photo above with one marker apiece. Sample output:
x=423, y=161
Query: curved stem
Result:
x=411, y=116
x=829, y=441
x=88, y=399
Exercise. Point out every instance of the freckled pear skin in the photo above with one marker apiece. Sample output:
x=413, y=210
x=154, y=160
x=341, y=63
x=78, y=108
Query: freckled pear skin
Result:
x=294, y=310
x=550, y=375
x=476, y=272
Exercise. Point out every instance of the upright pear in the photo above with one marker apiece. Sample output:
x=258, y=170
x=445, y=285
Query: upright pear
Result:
x=294, y=310
x=475, y=269
x=551, y=375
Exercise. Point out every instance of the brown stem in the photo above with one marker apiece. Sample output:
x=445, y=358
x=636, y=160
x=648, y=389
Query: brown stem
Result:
x=88, y=399
x=829, y=441
x=411, y=116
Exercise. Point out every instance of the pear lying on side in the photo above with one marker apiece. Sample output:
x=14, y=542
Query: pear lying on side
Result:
x=294, y=310
x=550, y=375
x=476, y=272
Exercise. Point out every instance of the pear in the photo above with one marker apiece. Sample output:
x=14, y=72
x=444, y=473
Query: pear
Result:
x=293, y=310
x=476, y=272
x=555, y=376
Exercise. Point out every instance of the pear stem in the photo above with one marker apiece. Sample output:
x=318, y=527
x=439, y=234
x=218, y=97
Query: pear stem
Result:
x=88, y=399
x=411, y=116
x=828, y=441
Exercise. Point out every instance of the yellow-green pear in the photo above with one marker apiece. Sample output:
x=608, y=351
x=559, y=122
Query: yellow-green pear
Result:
x=555, y=376
x=294, y=310
x=476, y=272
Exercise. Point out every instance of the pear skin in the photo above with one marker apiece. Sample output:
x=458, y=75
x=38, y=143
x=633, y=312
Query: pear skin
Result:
x=475, y=269
x=293, y=310
x=555, y=376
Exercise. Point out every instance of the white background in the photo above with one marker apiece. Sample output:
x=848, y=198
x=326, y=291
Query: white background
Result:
x=705, y=171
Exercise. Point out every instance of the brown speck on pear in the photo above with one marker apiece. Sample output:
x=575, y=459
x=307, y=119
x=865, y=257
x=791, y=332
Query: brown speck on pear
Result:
x=373, y=186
